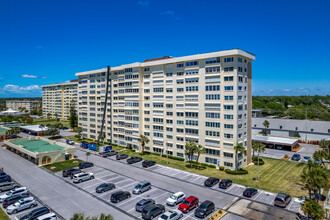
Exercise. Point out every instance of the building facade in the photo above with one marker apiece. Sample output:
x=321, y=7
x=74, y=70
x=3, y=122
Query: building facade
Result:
x=25, y=106
x=205, y=98
x=56, y=99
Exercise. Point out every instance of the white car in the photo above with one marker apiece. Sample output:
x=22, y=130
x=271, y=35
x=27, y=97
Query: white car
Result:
x=80, y=177
x=70, y=142
x=171, y=215
x=22, y=204
x=13, y=192
x=306, y=159
x=176, y=198
x=48, y=216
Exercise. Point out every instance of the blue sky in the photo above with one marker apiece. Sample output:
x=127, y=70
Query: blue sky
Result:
x=45, y=42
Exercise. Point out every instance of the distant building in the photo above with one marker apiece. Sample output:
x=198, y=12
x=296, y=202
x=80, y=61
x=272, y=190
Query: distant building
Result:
x=306, y=129
x=22, y=105
x=256, y=113
x=56, y=99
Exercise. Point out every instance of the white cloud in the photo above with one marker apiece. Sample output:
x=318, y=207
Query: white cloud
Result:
x=168, y=12
x=144, y=3
x=29, y=76
x=19, y=89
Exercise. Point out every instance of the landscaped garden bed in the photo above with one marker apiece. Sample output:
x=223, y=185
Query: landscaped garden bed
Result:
x=218, y=215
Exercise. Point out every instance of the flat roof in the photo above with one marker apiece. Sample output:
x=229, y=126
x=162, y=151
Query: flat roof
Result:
x=3, y=130
x=271, y=139
x=35, y=128
x=62, y=84
x=38, y=146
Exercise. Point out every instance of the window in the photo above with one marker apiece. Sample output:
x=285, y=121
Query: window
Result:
x=229, y=98
x=169, y=113
x=212, y=97
x=211, y=160
x=229, y=59
x=229, y=88
x=212, y=152
x=212, y=79
x=192, y=80
x=230, y=136
x=215, y=69
x=169, y=129
x=212, y=124
x=128, y=70
x=146, y=69
x=229, y=78
x=225, y=154
x=191, y=131
x=212, y=115
x=179, y=154
x=227, y=164
x=179, y=65
x=159, y=120
x=228, y=126
x=192, y=122
x=228, y=69
x=161, y=89
x=192, y=114
x=169, y=90
x=239, y=59
x=192, y=63
x=212, y=88
x=147, y=90
x=228, y=107
x=169, y=74
x=179, y=89
x=239, y=88
x=191, y=88
x=240, y=69
x=212, y=60
x=160, y=135
x=158, y=127
x=179, y=122
x=212, y=133
x=179, y=73
x=192, y=72
x=179, y=130
x=158, y=105
x=179, y=114
x=168, y=121
x=179, y=81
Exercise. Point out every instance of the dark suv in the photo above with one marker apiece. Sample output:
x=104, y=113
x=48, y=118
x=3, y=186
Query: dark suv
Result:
x=282, y=200
x=105, y=187
x=5, y=178
x=225, y=183
x=68, y=172
x=34, y=214
x=11, y=200
x=148, y=163
x=119, y=196
x=296, y=157
x=109, y=153
x=134, y=160
x=211, y=181
x=121, y=156
x=250, y=192
x=140, y=205
x=83, y=165
x=205, y=209
x=153, y=210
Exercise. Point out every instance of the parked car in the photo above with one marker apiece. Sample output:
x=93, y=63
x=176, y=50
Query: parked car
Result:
x=84, y=144
x=225, y=183
x=68, y=172
x=279, y=147
x=105, y=187
x=141, y=187
x=11, y=137
x=5, y=178
x=109, y=153
x=83, y=165
x=8, y=186
x=132, y=160
x=296, y=157
x=211, y=181
x=140, y=205
x=188, y=204
x=152, y=211
x=22, y=204
x=12, y=199
x=74, y=172
x=176, y=198
x=148, y=163
x=65, y=128
x=282, y=200
x=250, y=192
x=205, y=209
x=119, y=196
x=70, y=142
x=35, y=213
x=48, y=216
x=171, y=215
x=306, y=158
x=121, y=156
x=17, y=191
x=78, y=178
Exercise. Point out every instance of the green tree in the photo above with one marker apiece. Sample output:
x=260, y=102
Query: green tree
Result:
x=266, y=125
x=320, y=155
x=42, y=126
x=199, y=150
x=260, y=147
x=238, y=149
x=87, y=155
x=29, y=120
x=78, y=130
x=143, y=140
x=49, y=115
x=73, y=118
x=56, y=116
x=257, y=104
x=103, y=137
x=313, y=209
x=190, y=150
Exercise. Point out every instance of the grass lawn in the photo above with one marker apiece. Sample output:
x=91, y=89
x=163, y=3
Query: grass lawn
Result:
x=63, y=165
x=45, y=121
x=275, y=175
x=3, y=215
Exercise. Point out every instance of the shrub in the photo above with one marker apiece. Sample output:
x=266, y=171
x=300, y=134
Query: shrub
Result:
x=114, y=144
x=261, y=162
x=211, y=166
x=77, y=136
x=236, y=172
x=157, y=154
x=221, y=168
x=204, y=164
x=121, y=146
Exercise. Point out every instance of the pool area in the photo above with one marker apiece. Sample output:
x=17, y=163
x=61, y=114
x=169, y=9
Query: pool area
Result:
x=38, y=145
x=3, y=130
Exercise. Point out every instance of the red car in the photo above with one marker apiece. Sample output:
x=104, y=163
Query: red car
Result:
x=188, y=204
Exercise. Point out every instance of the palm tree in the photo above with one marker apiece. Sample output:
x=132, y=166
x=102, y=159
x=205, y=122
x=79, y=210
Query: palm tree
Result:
x=49, y=115
x=143, y=140
x=320, y=155
x=16, y=130
x=56, y=115
x=260, y=147
x=190, y=150
x=87, y=155
x=78, y=130
x=266, y=125
x=238, y=149
x=254, y=149
x=320, y=179
x=199, y=150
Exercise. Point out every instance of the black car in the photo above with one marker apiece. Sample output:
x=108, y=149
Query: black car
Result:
x=211, y=181
x=204, y=209
x=133, y=160
x=5, y=178
x=65, y=128
x=225, y=183
x=150, y=211
x=84, y=144
x=11, y=200
x=121, y=156
x=74, y=172
x=250, y=192
x=119, y=196
x=83, y=165
x=35, y=213
x=109, y=153
x=140, y=205
x=105, y=187
x=148, y=163
x=296, y=157
x=67, y=172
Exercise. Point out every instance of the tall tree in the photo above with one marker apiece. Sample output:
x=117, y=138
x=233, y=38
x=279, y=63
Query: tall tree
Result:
x=143, y=140
x=253, y=149
x=266, y=125
x=199, y=150
x=56, y=116
x=320, y=155
x=78, y=130
x=49, y=115
x=42, y=126
x=238, y=149
x=190, y=150
x=73, y=118
x=313, y=210
x=260, y=147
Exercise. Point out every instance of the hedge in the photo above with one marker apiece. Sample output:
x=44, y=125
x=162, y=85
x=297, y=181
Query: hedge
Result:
x=221, y=168
x=260, y=162
x=204, y=164
x=236, y=172
x=114, y=144
x=173, y=157
x=211, y=166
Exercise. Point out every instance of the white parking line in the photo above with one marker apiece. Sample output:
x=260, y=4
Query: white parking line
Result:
x=258, y=195
x=289, y=206
x=90, y=186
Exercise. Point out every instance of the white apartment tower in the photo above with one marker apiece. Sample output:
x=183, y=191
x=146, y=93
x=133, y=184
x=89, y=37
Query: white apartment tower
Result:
x=56, y=99
x=205, y=98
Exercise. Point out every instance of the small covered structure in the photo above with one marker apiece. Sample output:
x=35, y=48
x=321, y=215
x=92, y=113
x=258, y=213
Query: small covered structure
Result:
x=33, y=129
x=279, y=143
x=9, y=112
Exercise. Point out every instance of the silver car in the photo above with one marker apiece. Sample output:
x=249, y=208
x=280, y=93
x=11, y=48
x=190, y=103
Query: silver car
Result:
x=78, y=178
x=22, y=204
x=48, y=216
x=171, y=215
x=8, y=186
x=141, y=187
x=17, y=191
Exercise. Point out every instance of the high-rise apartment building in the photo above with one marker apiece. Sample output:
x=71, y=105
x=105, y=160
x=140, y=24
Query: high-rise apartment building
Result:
x=205, y=98
x=23, y=105
x=56, y=99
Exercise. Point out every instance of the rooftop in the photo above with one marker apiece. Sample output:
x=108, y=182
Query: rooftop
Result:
x=38, y=145
x=3, y=130
x=278, y=140
x=35, y=128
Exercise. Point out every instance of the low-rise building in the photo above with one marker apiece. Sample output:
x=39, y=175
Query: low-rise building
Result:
x=25, y=106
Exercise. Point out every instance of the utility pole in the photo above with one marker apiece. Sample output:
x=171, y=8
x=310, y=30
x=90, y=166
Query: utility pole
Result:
x=166, y=152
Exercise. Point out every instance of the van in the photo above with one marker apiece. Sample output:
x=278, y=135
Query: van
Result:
x=141, y=187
